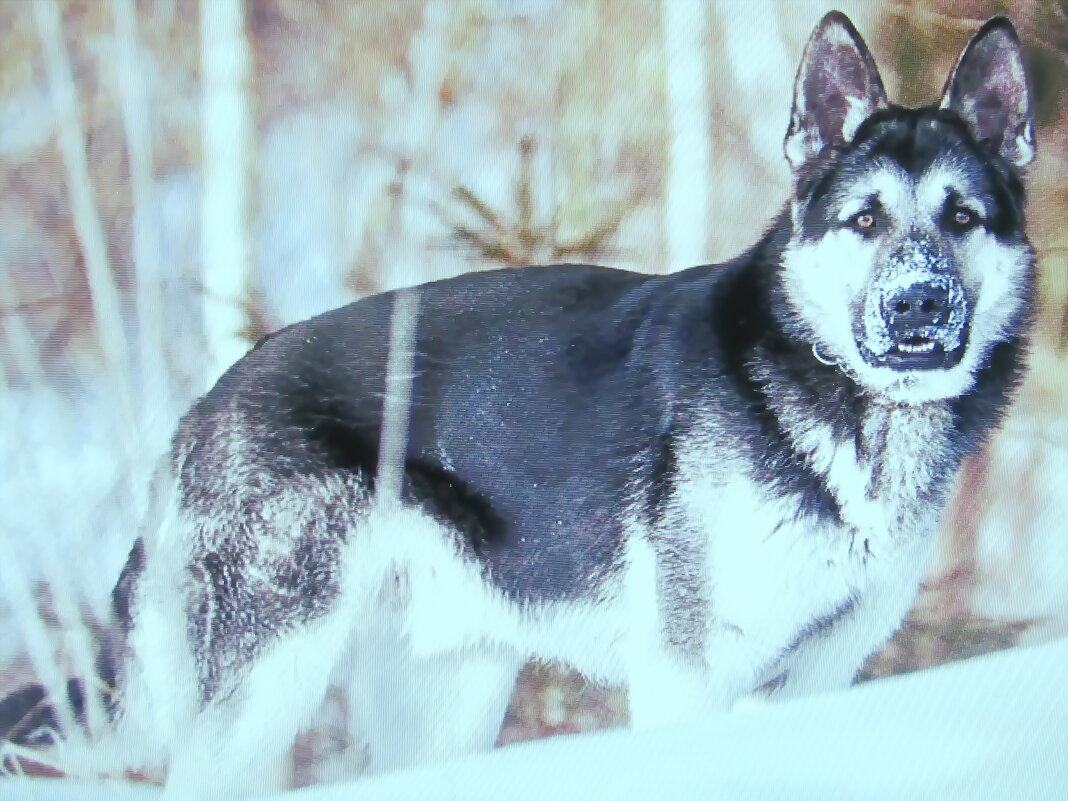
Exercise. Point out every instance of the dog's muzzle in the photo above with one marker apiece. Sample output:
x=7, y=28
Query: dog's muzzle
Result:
x=916, y=322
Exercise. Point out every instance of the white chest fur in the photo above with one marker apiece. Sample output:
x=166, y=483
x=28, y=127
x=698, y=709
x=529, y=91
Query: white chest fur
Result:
x=776, y=574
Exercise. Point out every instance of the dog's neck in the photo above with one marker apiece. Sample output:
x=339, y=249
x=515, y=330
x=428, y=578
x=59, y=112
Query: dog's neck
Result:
x=865, y=450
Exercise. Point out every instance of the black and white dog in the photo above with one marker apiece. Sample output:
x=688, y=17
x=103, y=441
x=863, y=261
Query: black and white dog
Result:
x=700, y=485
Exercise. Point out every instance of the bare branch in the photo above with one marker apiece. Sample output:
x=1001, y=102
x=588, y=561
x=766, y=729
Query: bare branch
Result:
x=106, y=300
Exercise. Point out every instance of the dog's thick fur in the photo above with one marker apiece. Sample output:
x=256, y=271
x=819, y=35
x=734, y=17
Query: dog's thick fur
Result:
x=702, y=486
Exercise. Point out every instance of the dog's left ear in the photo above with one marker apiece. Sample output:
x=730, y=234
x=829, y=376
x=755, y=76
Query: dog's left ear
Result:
x=988, y=88
x=837, y=88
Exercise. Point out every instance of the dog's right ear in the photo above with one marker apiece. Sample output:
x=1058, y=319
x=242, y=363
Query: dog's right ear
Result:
x=837, y=88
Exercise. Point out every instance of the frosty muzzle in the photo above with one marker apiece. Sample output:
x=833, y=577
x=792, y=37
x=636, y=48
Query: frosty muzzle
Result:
x=916, y=313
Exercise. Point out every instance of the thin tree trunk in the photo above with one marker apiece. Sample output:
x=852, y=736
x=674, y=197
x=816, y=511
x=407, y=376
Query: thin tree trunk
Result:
x=686, y=205
x=107, y=311
x=129, y=70
x=227, y=153
x=427, y=57
x=104, y=293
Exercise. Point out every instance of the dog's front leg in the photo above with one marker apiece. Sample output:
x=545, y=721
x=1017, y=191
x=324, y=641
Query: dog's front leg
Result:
x=672, y=679
x=662, y=691
x=668, y=686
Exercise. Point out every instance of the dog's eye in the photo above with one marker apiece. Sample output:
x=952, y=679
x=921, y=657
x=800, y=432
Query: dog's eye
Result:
x=864, y=221
x=960, y=218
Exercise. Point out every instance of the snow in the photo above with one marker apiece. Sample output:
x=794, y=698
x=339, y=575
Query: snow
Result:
x=994, y=727
x=56, y=790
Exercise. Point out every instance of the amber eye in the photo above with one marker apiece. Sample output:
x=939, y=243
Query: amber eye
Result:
x=962, y=217
x=865, y=220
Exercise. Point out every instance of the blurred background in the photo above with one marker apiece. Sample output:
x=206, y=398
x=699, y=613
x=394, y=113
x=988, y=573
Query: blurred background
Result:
x=178, y=178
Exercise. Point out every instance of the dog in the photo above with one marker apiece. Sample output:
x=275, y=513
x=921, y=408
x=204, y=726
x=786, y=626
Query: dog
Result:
x=714, y=484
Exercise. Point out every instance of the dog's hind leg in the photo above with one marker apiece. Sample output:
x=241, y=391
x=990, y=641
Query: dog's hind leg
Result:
x=234, y=743
x=410, y=710
x=435, y=650
x=238, y=745
x=238, y=620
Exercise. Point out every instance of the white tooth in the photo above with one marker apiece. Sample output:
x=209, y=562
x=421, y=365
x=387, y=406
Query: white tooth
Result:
x=907, y=347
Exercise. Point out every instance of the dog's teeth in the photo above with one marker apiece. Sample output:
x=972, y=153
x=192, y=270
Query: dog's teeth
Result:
x=923, y=347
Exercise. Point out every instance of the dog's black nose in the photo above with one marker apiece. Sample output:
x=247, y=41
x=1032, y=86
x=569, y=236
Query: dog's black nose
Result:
x=922, y=307
x=924, y=323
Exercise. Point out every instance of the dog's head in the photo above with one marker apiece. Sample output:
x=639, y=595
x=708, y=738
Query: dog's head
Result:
x=908, y=260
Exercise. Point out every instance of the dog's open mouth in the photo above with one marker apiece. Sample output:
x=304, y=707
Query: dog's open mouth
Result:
x=919, y=351
x=922, y=353
x=916, y=345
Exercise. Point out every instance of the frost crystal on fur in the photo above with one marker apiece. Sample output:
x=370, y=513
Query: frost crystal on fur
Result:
x=917, y=266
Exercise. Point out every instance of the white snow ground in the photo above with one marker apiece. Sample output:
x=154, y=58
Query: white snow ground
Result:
x=994, y=727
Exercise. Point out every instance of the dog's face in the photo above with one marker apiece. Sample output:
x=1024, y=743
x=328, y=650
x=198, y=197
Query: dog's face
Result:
x=908, y=260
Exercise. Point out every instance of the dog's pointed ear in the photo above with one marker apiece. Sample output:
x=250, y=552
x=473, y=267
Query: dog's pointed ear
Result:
x=837, y=88
x=988, y=88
